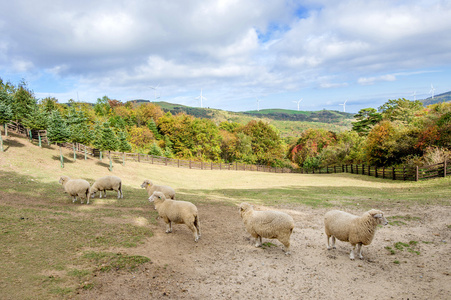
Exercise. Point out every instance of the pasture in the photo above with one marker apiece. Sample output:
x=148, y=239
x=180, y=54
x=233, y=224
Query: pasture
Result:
x=118, y=249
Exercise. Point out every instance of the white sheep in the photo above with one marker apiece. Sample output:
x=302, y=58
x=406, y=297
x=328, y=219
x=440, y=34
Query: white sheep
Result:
x=268, y=224
x=151, y=188
x=111, y=183
x=353, y=229
x=76, y=187
x=178, y=212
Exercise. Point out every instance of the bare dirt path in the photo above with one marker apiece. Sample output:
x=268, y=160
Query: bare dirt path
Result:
x=225, y=265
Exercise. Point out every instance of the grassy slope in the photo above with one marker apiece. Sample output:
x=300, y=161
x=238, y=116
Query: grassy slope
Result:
x=51, y=246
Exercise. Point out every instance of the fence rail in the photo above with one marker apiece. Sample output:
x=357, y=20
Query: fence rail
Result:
x=395, y=173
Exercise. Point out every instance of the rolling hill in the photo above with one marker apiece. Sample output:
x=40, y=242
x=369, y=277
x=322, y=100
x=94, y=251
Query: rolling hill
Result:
x=444, y=97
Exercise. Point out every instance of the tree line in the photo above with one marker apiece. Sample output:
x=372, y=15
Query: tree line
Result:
x=399, y=132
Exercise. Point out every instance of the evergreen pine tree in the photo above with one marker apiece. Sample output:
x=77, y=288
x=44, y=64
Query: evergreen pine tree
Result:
x=155, y=150
x=57, y=131
x=153, y=127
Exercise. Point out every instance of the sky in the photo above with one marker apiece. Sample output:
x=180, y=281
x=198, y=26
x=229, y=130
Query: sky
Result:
x=242, y=55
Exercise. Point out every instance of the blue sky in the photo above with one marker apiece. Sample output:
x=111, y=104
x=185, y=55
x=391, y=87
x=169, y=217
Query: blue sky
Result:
x=324, y=52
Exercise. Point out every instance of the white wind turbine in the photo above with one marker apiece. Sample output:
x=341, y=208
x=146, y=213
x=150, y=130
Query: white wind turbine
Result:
x=344, y=105
x=299, y=101
x=432, y=91
x=258, y=104
x=155, y=90
x=414, y=94
x=201, y=98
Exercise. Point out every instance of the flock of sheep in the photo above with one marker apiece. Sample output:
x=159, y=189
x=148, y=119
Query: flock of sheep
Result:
x=269, y=224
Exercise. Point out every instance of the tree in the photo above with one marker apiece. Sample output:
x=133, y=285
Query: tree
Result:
x=23, y=101
x=102, y=107
x=366, y=119
x=153, y=127
x=401, y=110
x=265, y=140
x=108, y=141
x=37, y=119
x=310, y=145
x=6, y=111
x=123, y=144
x=57, y=131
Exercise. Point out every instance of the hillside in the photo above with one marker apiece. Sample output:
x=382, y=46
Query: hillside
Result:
x=444, y=97
x=53, y=248
x=290, y=123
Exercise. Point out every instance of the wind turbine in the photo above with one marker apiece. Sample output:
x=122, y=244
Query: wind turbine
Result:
x=258, y=104
x=344, y=105
x=155, y=90
x=299, y=101
x=201, y=98
x=414, y=94
x=432, y=91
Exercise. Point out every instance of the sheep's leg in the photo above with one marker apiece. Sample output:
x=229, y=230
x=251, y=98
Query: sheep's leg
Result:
x=104, y=193
x=258, y=241
x=119, y=194
x=351, y=256
x=333, y=243
x=359, y=250
x=74, y=198
x=193, y=228
x=197, y=224
x=168, y=226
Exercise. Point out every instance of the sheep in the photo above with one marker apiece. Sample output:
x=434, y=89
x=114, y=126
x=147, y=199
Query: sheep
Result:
x=353, y=229
x=178, y=212
x=76, y=187
x=151, y=188
x=267, y=224
x=107, y=183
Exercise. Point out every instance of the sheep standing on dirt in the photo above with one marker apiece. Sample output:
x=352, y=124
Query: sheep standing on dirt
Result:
x=111, y=183
x=76, y=187
x=353, y=229
x=151, y=188
x=178, y=212
x=268, y=224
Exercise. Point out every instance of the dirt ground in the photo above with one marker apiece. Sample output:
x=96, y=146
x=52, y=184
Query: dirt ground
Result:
x=224, y=264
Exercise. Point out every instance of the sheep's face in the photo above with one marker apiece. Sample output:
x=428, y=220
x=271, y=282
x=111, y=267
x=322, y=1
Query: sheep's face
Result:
x=379, y=216
x=146, y=183
x=63, y=179
x=156, y=197
x=244, y=207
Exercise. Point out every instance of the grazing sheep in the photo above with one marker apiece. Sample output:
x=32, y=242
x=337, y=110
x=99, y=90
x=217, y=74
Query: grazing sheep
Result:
x=111, y=183
x=353, y=229
x=76, y=187
x=179, y=212
x=151, y=188
x=267, y=224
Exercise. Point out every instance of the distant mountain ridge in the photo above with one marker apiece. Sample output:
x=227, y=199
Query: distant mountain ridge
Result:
x=444, y=97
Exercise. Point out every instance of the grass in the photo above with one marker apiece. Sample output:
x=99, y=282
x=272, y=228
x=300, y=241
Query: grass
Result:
x=51, y=247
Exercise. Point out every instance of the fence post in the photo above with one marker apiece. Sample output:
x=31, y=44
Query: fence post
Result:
x=383, y=172
x=190, y=164
x=404, y=172
x=394, y=173
x=375, y=171
x=212, y=165
x=416, y=173
x=444, y=168
x=138, y=158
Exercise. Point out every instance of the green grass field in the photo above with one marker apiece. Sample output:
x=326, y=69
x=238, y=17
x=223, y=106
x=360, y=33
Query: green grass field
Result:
x=51, y=247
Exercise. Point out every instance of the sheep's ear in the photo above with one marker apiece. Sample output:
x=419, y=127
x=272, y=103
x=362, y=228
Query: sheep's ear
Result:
x=378, y=216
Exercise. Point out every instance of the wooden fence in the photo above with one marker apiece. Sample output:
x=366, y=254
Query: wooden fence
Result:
x=395, y=173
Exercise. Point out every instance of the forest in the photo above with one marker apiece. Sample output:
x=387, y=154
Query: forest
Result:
x=400, y=132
